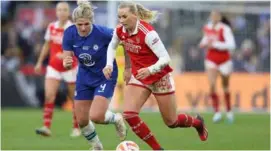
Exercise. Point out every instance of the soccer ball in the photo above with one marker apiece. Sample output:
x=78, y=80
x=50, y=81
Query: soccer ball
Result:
x=127, y=146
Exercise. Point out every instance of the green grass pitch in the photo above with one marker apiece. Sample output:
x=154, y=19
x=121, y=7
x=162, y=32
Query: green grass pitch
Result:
x=249, y=132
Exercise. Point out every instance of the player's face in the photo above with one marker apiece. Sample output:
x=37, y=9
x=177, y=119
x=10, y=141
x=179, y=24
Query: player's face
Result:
x=127, y=18
x=62, y=11
x=83, y=26
x=215, y=16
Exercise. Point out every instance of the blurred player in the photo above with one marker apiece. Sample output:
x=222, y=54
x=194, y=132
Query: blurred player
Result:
x=150, y=73
x=55, y=71
x=219, y=41
x=89, y=42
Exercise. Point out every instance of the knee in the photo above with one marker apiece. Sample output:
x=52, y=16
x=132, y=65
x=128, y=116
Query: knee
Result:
x=212, y=88
x=97, y=118
x=49, y=97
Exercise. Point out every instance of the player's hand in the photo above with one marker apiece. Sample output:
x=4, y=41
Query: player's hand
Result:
x=108, y=72
x=127, y=75
x=60, y=55
x=37, y=68
x=210, y=44
x=143, y=73
x=67, y=62
x=202, y=46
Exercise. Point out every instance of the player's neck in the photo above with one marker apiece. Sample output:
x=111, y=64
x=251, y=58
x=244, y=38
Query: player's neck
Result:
x=62, y=23
x=131, y=30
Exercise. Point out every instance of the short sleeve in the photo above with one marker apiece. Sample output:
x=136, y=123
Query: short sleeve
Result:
x=67, y=40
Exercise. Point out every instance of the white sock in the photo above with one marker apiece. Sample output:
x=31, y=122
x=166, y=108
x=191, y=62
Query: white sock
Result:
x=90, y=134
x=110, y=117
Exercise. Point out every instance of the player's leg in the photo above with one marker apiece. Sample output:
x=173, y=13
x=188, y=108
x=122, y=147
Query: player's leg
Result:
x=99, y=112
x=225, y=70
x=82, y=104
x=134, y=98
x=212, y=73
x=164, y=94
x=70, y=78
x=52, y=82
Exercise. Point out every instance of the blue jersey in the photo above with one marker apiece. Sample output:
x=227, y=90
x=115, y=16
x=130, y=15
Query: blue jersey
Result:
x=91, y=52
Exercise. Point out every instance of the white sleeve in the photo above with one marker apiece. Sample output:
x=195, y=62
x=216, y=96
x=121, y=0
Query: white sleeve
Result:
x=111, y=49
x=47, y=34
x=154, y=42
x=229, y=43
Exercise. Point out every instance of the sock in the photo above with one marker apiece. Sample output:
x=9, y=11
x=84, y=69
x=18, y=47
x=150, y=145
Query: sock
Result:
x=74, y=121
x=184, y=120
x=215, y=102
x=48, y=114
x=141, y=129
x=90, y=134
x=228, y=101
x=110, y=117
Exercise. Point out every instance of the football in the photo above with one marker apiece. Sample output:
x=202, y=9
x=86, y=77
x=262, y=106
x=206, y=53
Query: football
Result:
x=127, y=146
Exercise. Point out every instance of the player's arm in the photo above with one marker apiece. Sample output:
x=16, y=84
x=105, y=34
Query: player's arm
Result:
x=44, y=52
x=67, y=50
x=156, y=45
x=228, y=44
x=204, y=41
x=111, y=50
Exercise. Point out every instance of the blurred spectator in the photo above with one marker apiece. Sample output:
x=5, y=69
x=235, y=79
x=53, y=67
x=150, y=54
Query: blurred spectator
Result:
x=263, y=39
x=194, y=61
x=10, y=52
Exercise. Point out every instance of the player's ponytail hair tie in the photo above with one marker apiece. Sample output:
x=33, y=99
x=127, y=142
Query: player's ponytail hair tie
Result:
x=143, y=13
x=83, y=10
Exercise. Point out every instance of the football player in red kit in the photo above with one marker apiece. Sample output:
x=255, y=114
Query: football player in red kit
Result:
x=55, y=71
x=150, y=73
x=219, y=41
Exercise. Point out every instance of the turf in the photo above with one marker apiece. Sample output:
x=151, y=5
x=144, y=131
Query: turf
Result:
x=249, y=132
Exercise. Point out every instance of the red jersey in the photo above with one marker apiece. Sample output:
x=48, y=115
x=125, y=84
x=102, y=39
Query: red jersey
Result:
x=223, y=41
x=138, y=48
x=54, y=34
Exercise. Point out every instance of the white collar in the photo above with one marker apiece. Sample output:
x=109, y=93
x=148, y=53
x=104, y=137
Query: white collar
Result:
x=217, y=26
x=67, y=24
x=136, y=28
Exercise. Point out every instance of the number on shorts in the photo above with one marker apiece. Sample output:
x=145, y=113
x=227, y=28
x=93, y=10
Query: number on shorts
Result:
x=102, y=86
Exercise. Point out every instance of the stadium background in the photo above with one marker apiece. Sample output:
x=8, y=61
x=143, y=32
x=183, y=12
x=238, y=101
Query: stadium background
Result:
x=23, y=25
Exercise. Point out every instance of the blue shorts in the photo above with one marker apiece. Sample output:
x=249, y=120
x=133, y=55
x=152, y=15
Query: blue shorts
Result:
x=85, y=92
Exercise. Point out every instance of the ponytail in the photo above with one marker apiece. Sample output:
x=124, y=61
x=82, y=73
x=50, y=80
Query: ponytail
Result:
x=143, y=13
x=225, y=20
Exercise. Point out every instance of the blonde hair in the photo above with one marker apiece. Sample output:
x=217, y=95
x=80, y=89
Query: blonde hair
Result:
x=83, y=10
x=143, y=13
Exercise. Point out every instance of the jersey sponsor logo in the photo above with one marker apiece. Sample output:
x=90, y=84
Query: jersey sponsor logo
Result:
x=155, y=41
x=75, y=46
x=131, y=47
x=86, y=59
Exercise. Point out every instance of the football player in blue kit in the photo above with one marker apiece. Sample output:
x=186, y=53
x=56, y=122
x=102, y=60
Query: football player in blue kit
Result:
x=89, y=42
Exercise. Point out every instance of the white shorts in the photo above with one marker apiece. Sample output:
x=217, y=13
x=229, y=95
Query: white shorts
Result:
x=162, y=87
x=224, y=68
x=68, y=76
